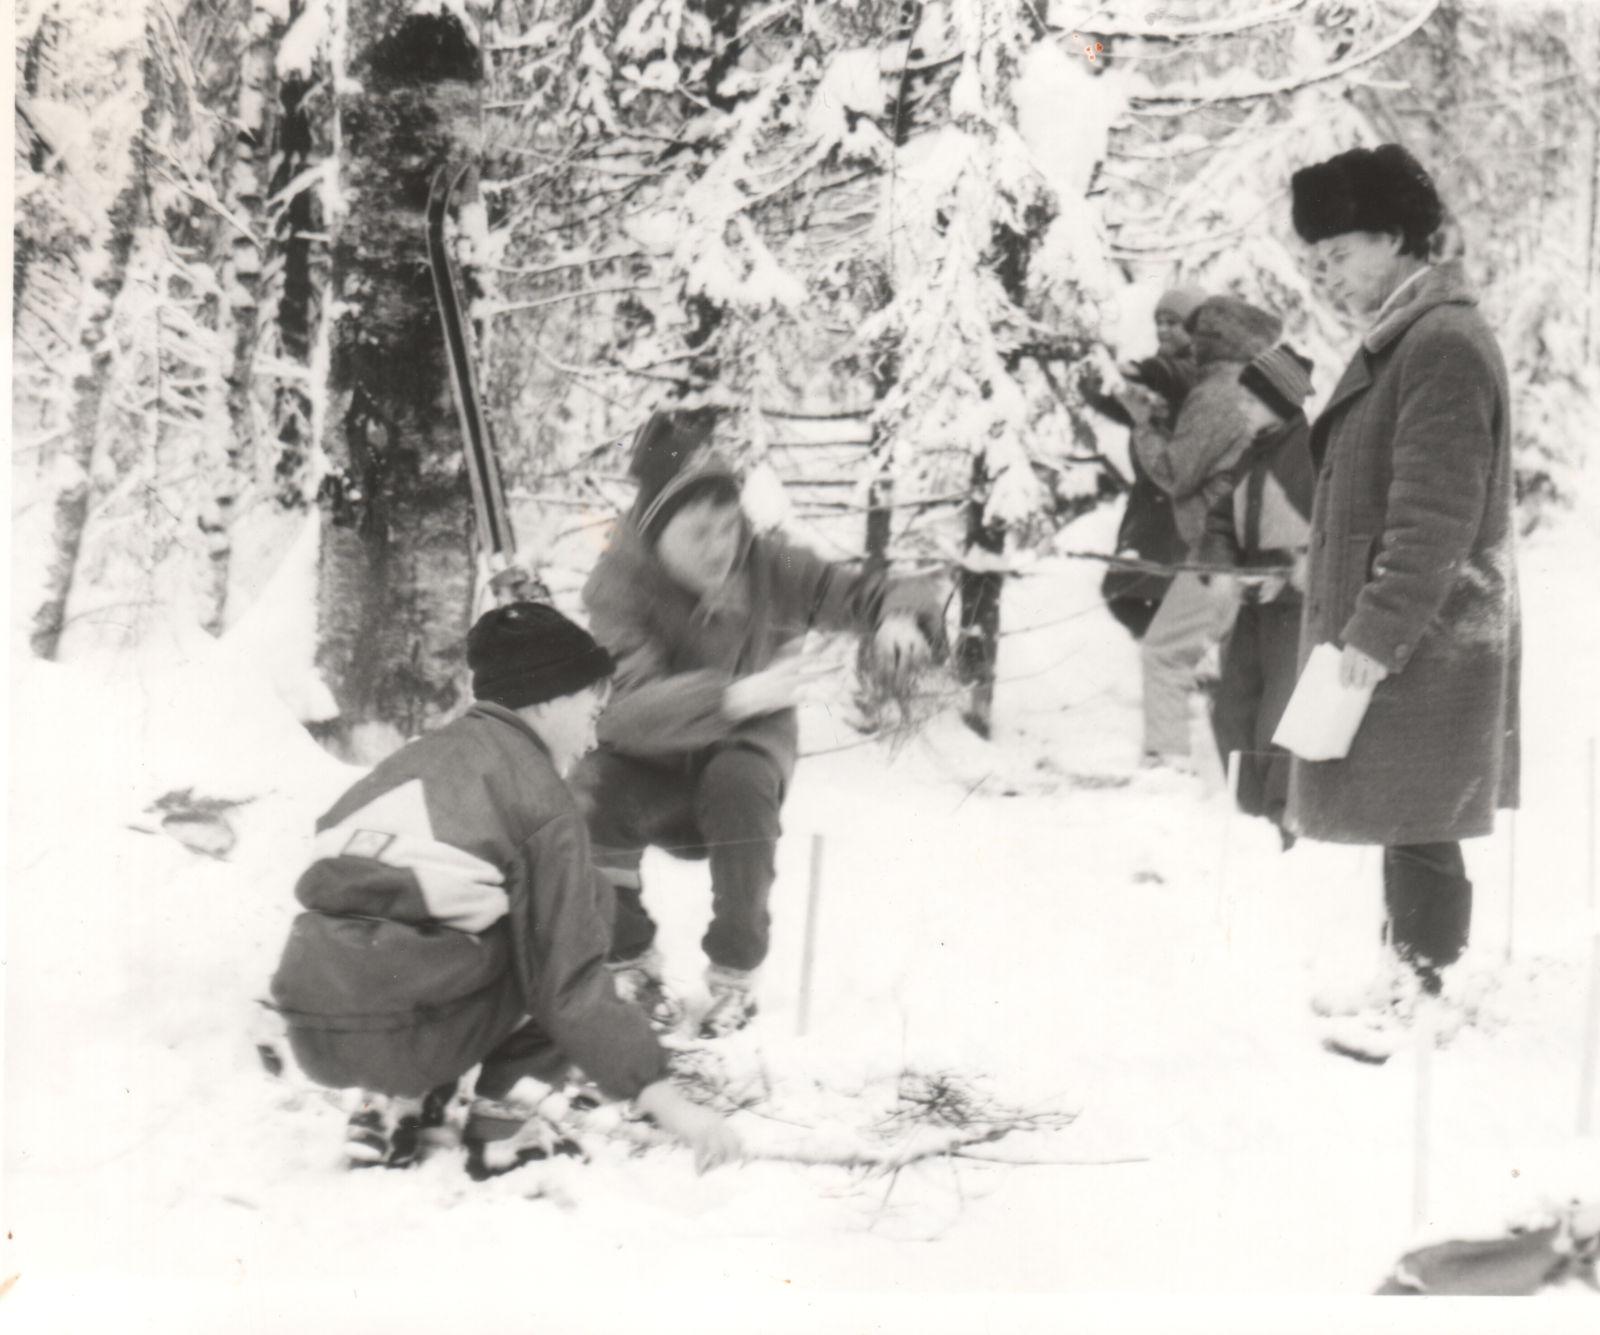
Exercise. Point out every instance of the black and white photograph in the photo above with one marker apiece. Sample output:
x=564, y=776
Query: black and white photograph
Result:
x=803, y=665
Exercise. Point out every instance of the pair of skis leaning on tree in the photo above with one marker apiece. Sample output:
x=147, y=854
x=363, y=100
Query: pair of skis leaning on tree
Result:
x=454, y=914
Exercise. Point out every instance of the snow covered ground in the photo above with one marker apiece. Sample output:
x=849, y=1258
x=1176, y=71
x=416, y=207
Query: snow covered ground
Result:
x=1031, y=914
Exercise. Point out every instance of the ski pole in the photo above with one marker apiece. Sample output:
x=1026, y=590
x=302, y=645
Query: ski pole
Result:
x=808, y=954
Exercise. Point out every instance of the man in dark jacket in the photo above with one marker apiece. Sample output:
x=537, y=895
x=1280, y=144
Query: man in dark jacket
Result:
x=1263, y=525
x=453, y=917
x=700, y=738
x=1147, y=529
x=1412, y=568
x=1193, y=464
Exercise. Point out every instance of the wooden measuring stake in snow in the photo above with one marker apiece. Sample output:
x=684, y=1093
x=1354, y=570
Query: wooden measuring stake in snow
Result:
x=1589, y=1058
x=808, y=955
x=1235, y=763
x=1423, y=1115
x=1511, y=879
x=1594, y=871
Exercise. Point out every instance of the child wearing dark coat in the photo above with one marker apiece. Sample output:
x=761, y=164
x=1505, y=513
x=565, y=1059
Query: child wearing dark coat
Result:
x=1193, y=463
x=1148, y=531
x=453, y=919
x=1263, y=524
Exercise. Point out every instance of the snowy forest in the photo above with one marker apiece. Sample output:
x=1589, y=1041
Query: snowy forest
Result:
x=887, y=237
x=897, y=244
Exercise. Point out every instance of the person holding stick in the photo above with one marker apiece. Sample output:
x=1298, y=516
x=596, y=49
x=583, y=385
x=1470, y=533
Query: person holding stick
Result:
x=697, y=746
x=1412, y=568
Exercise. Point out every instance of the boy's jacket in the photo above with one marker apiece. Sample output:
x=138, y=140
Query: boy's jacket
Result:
x=377, y=992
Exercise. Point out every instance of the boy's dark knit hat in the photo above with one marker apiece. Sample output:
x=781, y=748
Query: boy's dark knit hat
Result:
x=1230, y=329
x=527, y=653
x=1281, y=378
x=1367, y=190
x=674, y=465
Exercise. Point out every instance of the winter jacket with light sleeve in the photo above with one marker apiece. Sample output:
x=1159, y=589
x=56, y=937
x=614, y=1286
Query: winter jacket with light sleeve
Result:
x=676, y=655
x=1147, y=528
x=1192, y=461
x=471, y=821
x=1265, y=521
x=1412, y=562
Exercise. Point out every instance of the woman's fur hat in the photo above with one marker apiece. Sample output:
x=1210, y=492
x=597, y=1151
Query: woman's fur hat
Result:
x=1381, y=189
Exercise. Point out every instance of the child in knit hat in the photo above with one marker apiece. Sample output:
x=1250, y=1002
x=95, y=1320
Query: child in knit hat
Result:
x=453, y=918
x=700, y=739
x=1156, y=389
x=1263, y=524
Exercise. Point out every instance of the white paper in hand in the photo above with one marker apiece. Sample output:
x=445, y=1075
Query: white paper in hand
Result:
x=1322, y=716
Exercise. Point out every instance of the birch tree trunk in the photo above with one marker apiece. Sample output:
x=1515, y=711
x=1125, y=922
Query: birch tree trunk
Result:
x=88, y=397
x=53, y=328
x=244, y=176
x=396, y=574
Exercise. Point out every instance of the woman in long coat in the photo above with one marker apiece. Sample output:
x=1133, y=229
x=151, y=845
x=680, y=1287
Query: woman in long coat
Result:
x=1411, y=566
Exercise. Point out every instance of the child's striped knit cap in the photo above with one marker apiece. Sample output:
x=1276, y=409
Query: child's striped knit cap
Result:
x=1281, y=378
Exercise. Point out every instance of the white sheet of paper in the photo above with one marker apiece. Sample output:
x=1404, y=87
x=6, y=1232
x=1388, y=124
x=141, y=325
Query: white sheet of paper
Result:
x=1322, y=717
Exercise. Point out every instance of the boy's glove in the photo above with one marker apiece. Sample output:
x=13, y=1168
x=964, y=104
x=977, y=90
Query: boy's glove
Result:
x=773, y=688
x=899, y=646
x=1140, y=403
x=914, y=604
x=707, y=1133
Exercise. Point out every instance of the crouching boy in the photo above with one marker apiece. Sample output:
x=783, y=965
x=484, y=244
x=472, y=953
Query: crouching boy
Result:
x=1263, y=525
x=700, y=738
x=453, y=918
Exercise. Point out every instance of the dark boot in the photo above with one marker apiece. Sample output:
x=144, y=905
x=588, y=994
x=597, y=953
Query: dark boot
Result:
x=1429, y=903
x=391, y=1131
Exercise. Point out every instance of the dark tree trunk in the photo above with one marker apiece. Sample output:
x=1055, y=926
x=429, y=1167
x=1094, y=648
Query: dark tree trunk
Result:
x=299, y=250
x=886, y=364
x=397, y=575
x=978, y=647
x=869, y=696
x=706, y=316
x=885, y=373
x=880, y=493
x=725, y=17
